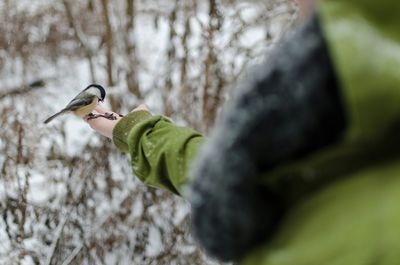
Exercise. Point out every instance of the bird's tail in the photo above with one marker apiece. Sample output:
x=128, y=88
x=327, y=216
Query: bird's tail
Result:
x=49, y=119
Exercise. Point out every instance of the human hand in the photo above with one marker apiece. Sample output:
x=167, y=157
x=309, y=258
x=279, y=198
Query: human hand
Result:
x=106, y=126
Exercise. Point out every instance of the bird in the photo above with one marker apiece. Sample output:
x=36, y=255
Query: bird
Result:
x=84, y=103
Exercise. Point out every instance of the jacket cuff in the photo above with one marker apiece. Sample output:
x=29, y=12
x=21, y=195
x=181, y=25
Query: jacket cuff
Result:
x=125, y=125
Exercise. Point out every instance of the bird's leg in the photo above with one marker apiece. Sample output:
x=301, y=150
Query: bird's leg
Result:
x=109, y=116
x=91, y=116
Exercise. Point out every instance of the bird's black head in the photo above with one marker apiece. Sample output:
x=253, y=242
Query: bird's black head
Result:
x=98, y=90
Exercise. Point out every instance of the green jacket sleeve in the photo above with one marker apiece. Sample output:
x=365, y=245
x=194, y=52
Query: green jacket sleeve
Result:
x=161, y=152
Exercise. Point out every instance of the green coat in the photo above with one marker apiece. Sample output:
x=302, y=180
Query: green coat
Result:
x=353, y=220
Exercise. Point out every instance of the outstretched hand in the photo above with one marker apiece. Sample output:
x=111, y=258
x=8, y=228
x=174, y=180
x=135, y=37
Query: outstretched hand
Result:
x=105, y=126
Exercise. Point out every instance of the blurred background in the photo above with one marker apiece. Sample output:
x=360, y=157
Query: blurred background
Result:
x=67, y=195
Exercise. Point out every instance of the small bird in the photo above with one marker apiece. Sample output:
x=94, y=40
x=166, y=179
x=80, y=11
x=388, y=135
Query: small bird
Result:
x=84, y=103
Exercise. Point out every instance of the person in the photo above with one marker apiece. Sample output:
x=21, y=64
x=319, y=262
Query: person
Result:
x=303, y=165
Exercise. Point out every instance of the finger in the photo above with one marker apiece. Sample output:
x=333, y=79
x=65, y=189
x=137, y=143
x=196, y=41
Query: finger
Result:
x=141, y=107
x=87, y=117
x=101, y=110
x=103, y=126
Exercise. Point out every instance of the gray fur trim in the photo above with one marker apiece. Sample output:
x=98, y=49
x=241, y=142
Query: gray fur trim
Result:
x=286, y=107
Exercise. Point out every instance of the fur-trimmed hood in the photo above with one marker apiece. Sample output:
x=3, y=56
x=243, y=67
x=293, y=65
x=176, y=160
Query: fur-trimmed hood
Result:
x=286, y=107
x=326, y=102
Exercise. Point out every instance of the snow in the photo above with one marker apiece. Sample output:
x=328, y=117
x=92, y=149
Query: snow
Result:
x=79, y=135
x=137, y=208
x=39, y=193
x=180, y=214
x=4, y=241
x=155, y=245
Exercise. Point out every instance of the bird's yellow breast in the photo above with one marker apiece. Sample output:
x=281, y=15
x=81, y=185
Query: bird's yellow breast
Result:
x=85, y=110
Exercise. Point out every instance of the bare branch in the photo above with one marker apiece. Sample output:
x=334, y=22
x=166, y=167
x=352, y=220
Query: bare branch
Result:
x=56, y=239
x=73, y=255
x=23, y=89
x=79, y=36
x=109, y=42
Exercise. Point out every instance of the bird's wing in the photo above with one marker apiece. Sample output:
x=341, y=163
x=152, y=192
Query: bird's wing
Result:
x=79, y=102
